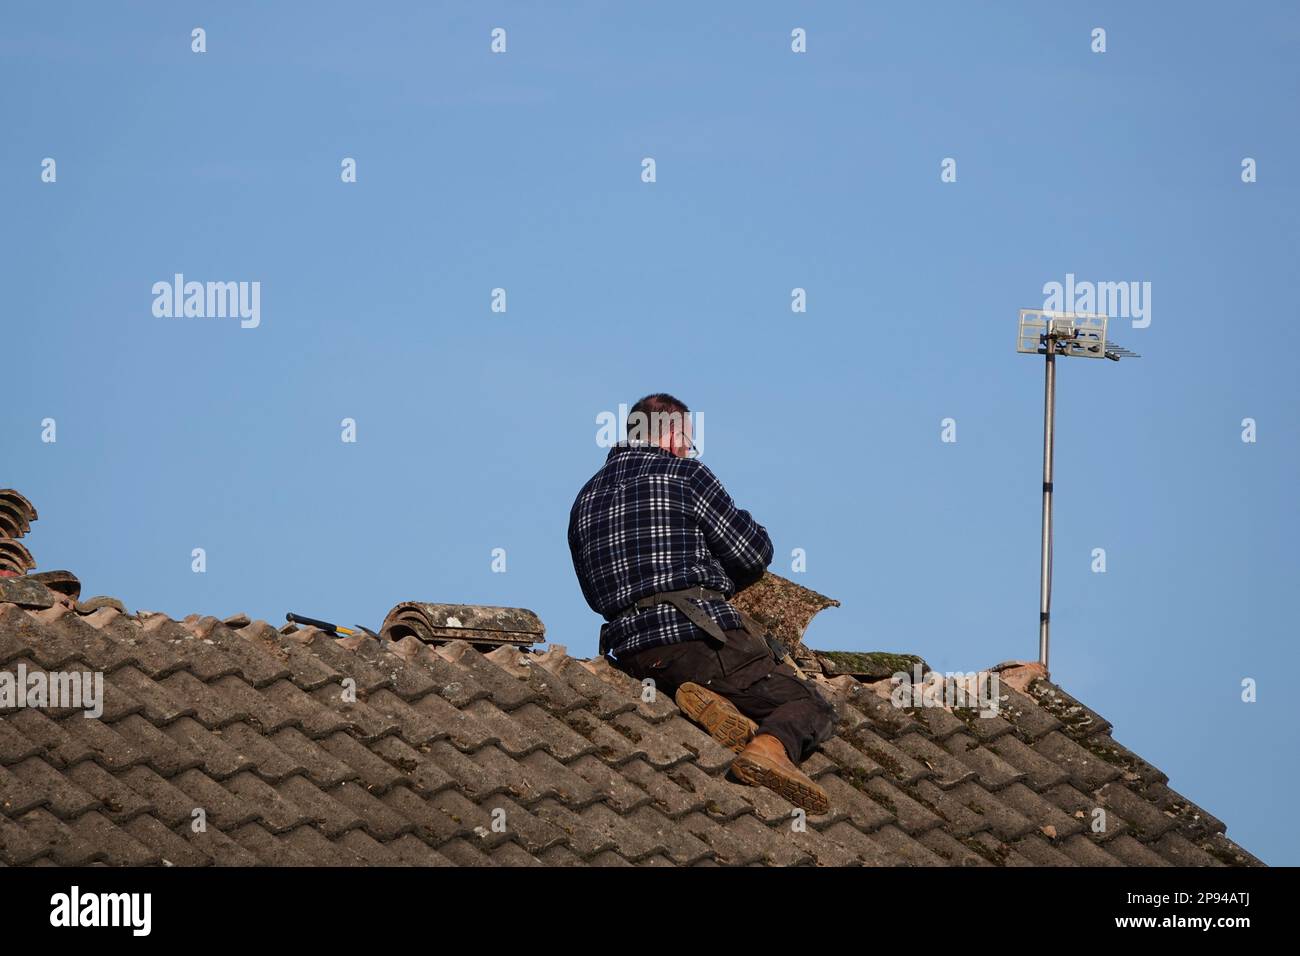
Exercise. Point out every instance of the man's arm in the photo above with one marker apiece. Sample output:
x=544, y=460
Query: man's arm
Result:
x=739, y=542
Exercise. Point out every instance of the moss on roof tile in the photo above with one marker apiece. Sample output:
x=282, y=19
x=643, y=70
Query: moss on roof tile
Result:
x=783, y=607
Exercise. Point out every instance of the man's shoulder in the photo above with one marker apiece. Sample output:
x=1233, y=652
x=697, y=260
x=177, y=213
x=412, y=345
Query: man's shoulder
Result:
x=691, y=473
x=696, y=471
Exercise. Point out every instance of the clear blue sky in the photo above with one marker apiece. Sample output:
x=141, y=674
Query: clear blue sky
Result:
x=775, y=171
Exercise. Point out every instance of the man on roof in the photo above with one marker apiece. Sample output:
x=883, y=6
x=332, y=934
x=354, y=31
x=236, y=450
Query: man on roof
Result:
x=659, y=546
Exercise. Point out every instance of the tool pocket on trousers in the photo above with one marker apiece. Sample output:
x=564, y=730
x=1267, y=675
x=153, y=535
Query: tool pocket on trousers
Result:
x=661, y=661
x=744, y=659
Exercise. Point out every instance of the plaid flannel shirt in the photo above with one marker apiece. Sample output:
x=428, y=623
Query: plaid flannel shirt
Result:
x=649, y=521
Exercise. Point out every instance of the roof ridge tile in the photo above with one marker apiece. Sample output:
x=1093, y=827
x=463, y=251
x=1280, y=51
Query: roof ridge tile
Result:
x=1078, y=719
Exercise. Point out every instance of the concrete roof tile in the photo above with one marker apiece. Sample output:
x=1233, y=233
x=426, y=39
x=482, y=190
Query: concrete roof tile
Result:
x=220, y=760
x=377, y=818
x=992, y=771
x=118, y=847
x=331, y=816
x=41, y=735
x=62, y=845
x=419, y=771
x=160, y=752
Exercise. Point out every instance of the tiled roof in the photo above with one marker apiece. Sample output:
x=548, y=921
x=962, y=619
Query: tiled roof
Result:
x=453, y=757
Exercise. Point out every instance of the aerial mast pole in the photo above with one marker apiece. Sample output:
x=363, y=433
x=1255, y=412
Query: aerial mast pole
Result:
x=1051, y=334
x=1045, y=580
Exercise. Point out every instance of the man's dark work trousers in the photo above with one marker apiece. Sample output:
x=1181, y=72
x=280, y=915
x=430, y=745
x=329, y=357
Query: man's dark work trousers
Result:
x=744, y=671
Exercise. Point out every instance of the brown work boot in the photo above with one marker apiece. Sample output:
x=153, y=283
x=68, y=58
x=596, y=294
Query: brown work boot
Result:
x=764, y=763
x=717, y=715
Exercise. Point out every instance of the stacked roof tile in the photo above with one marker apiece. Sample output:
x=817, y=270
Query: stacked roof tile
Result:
x=303, y=749
x=16, y=517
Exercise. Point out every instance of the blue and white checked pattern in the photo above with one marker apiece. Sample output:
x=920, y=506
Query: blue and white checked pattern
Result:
x=649, y=521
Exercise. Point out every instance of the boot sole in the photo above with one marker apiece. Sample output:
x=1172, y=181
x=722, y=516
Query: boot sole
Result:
x=758, y=772
x=719, y=716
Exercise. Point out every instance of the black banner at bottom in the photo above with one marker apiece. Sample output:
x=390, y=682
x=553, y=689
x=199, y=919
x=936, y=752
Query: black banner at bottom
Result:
x=339, y=906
